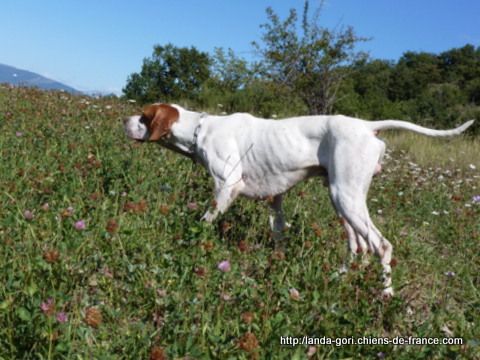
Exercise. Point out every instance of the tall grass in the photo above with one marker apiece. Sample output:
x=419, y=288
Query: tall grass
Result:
x=103, y=255
x=457, y=152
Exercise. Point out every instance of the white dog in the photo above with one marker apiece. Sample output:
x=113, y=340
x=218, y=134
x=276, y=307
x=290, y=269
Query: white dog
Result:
x=262, y=159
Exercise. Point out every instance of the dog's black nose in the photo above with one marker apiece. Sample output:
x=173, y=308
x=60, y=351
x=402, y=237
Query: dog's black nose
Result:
x=125, y=120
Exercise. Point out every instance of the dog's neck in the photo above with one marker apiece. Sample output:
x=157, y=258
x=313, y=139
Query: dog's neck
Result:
x=184, y=133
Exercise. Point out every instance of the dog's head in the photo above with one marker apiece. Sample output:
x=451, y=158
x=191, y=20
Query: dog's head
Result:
x=154, y=124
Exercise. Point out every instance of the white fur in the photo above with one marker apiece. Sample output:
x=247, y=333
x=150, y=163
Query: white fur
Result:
x=261, y=158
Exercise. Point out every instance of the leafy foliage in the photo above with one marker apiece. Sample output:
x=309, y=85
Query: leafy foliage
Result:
x=433, y=90
x=171, y=73
x=312, y=65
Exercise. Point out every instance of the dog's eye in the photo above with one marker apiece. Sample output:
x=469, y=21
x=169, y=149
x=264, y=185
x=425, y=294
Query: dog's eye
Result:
x=142, y=120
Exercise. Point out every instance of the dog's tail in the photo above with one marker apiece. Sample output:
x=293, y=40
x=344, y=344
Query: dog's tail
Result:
x=404, y=125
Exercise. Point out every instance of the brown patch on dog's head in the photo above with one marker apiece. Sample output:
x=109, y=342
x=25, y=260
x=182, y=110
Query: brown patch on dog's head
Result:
x=159, y=118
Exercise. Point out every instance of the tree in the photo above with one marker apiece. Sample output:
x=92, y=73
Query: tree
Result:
x=413, y=73
x=172, y=73
x=230, y=72
x=436, y=105
x=365, y=92
x=461, y=65
x=229, y=75
x=235, y=85
x=311, y=63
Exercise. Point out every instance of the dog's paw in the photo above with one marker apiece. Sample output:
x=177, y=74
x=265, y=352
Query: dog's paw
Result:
x=208, y=217
x=343, y=269
x=387, y=293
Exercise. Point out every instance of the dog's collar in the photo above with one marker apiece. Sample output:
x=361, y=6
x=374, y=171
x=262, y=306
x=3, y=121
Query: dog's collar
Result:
x=193, y=148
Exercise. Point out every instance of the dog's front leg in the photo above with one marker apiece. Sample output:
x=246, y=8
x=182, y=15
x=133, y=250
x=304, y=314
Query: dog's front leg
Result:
x=225, y=194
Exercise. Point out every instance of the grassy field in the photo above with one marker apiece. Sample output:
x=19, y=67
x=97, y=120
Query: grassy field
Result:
x=103, y=255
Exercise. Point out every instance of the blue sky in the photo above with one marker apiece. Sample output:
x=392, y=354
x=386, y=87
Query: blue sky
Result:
x=94, y=45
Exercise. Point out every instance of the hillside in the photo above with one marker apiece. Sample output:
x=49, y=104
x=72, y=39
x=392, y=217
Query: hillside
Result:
x=19, y=77
x=100, y=235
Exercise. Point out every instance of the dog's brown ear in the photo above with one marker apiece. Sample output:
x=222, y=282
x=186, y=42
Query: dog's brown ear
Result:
x=159, y=119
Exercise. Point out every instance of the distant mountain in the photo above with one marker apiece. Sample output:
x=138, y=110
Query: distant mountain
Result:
x=18, y=77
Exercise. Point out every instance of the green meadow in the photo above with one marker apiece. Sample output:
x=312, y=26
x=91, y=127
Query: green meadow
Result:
x=103, y=254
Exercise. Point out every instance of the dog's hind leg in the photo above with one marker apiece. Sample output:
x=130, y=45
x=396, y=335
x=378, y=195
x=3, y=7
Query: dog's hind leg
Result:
x=356, y=245
x=363, y=227
x=349, y=183
x=276, y=219
x=385, y=260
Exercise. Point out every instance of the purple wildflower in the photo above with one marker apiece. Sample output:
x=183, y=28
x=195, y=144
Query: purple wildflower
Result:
x=192, y=206
x=224, y=266
x=28, y=215
x=80, y=225
x=62, y=317
x=48, y=306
